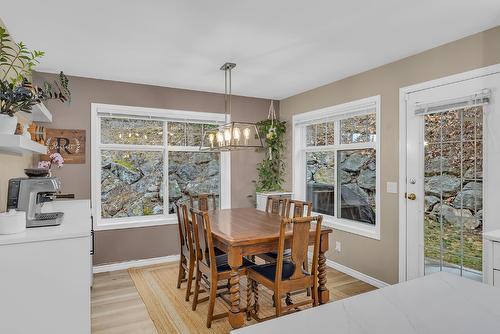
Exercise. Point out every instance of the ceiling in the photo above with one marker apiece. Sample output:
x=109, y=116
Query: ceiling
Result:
x=281, y=47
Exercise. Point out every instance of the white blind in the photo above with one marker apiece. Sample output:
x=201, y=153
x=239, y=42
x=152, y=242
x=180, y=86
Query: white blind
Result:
x=478, y=99
x=157, y=118
x=161, y=115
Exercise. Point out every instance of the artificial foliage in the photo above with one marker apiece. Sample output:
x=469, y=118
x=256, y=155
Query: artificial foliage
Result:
x=272, y=169
x=17, y=93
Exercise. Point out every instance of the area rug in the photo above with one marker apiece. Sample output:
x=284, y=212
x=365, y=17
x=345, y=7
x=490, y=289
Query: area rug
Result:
x=172, y=314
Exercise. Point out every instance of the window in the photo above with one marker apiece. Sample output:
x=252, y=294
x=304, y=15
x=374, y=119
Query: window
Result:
x=336, y=156
x=145, y=160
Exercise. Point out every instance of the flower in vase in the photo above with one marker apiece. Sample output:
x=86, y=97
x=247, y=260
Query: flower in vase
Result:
x=57, y=159
x=44, y=164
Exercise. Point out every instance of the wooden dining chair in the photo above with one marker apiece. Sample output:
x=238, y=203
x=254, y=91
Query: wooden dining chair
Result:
x=275, y=205
x=187, y=252
x=291, y=209
x=287, y=276
x=210, y=269
x=204, y=202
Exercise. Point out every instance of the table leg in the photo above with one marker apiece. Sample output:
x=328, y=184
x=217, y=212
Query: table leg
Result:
x=236, y=317
x=323, y=293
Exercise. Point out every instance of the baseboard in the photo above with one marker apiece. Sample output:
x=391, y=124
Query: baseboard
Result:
x=354, y=273
x=135, y=263
x=172, y=258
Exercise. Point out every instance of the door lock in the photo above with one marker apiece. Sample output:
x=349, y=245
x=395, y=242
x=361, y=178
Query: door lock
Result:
x=411, y=196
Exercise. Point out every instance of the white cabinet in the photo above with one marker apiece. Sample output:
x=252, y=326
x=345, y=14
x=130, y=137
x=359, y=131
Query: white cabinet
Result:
x=261, y=198
x=45, y=275
x=496, y=255
x=492, y=270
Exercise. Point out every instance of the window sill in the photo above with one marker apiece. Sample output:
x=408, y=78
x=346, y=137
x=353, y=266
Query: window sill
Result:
x=135, y=223
x=352, y=227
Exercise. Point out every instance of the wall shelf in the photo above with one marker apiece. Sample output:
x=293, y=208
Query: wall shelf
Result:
x=39, y=113
x=20, y=144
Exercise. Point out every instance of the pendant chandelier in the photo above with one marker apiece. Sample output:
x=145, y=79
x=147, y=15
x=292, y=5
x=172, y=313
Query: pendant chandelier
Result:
x=232, y=135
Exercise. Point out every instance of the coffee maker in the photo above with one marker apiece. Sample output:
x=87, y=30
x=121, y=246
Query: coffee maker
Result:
x=29, y=194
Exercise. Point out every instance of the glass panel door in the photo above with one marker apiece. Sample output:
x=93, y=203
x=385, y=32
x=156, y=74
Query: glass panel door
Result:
x=453, y=190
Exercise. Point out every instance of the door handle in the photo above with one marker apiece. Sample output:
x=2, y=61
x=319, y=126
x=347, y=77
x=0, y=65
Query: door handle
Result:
x=411, y=196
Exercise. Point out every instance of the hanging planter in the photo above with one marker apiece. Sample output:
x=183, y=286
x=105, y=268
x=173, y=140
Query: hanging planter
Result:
x=272, y=169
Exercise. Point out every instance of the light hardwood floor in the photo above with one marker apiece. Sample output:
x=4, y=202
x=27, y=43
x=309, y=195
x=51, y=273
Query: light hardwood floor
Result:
x=118, y=308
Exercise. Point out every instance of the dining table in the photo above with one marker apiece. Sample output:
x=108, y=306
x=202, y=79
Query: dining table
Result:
x=247, y=231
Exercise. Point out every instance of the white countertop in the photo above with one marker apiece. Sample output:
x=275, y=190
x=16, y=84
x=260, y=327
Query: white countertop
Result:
x=438, y=303
x=492, y=235
x=76, y=223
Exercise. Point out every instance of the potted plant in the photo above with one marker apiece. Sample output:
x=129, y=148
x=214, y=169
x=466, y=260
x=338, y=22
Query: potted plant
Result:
x=17, y=93
x=272, y=169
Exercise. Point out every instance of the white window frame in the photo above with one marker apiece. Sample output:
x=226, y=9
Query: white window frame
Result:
x=337, y=112
x=99, y=110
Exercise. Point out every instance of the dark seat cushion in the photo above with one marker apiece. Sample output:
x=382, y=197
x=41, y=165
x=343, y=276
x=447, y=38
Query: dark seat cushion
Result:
x=218, y=252
x=222, y=264
x=274, y=255
x=269, y=270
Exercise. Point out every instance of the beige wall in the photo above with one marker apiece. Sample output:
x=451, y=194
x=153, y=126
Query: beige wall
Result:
x=11, y=166
x=379, y=259
x=138, y=243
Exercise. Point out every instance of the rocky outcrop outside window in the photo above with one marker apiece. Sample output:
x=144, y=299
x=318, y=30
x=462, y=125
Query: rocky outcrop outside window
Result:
x=357, y=176
x=192, y=172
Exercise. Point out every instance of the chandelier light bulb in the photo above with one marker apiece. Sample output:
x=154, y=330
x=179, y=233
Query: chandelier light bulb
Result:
x=120, y=136
x=211, y=138
x=237, y=134
x=227, y=135
x=246, y=133
x=220, y=137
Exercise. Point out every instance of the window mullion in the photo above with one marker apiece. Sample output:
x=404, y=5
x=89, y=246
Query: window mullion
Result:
x=337, y=186
x=336, y=134
x=165, y=182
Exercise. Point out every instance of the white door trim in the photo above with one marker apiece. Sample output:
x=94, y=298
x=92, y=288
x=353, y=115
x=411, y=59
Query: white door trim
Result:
x=403, y=96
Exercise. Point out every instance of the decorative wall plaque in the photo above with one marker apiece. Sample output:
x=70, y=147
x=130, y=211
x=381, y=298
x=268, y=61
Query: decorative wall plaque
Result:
x=69, y=143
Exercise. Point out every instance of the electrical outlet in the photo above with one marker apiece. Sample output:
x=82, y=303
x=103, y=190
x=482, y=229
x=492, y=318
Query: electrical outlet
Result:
x=338, y=246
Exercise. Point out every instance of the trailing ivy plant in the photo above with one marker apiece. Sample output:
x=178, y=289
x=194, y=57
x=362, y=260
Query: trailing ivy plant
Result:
x=17, y=93
x=272, y=169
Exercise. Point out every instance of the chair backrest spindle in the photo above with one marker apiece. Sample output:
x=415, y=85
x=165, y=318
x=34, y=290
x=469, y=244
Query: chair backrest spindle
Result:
x=296, y=209
x=276, y=205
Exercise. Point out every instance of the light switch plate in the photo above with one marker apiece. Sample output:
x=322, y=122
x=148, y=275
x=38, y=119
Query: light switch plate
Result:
x=392, y=187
